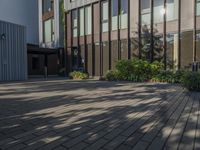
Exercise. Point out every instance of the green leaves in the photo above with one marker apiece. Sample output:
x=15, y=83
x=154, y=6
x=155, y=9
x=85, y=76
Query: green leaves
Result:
x=77, y=75
x=191, y=80
x=136, y=70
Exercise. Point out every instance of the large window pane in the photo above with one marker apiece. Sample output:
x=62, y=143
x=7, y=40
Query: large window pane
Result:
x=145, y=12
x=114, y=14
x=198, y=8
x=74, y=23
x=158, y=11
x=172, y=10
x=49, y=31
x=124, y=14
x=88, y=20
x=198, y=46
x=172, y=50
x=81, y=12
x=105, y=16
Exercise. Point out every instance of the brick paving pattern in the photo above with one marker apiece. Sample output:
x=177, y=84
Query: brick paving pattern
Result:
x=92, y=115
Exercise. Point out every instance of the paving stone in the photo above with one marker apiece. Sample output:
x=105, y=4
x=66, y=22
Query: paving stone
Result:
x=115, y=142
x=141, y=145
x=65, y=114
x=97, y=145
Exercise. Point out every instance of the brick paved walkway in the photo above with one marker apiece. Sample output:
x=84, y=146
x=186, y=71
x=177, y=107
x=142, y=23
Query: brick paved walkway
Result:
x=94, y=115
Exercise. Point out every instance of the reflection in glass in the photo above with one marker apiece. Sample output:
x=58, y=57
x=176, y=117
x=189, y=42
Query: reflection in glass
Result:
x=172, y=10
x=49, y=30
x=124, y=14
x=172, y=50
x=81, y=28
x=145, y=12
x=105, y=16
x=88, y=20
x=158, y=11
x=114, y=14
x=74, y=23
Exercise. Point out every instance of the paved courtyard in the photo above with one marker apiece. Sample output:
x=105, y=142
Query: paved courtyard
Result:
x=91, y=115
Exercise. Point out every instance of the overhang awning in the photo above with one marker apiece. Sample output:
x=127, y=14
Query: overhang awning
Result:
x=35, y=49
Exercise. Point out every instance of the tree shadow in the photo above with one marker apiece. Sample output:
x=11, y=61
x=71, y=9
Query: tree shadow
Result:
x=85, y=114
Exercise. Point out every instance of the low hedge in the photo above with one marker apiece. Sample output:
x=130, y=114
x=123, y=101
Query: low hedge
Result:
x=169, y=76
x=78, y=75
x=191, y=81
x=137, y=70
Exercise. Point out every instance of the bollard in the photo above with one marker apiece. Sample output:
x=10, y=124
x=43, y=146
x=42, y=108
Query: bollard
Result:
x=45, y=72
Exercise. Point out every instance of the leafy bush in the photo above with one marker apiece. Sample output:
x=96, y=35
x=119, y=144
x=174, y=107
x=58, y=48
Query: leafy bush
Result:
x=163, y=76
x=178, y=76
x=191, y=81
x=135, y=70
x=138, y=70
x=112, y=75
x=124, y=68
x=156, y=68
x=77, y=75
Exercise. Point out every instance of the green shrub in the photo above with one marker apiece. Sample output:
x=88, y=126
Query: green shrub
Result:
x=169, y=76
x=178, y=76
x=156, y=68
x=112, y=75
x=142, y=70
x=77, y=75
x=191, y=81
x=124, y=68
x=163, y=76
x=136, y=70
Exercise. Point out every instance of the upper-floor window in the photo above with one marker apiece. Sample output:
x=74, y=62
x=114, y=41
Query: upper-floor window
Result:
x=74, y=23
x=47, y=5
x=145, y=12
x=123, y=14
x=114, y=14
x=197, y=7
x=105, y=16
x=172, y=9
x=49, y=30
x=82, y=22
x=88, y=20
x=159, y=11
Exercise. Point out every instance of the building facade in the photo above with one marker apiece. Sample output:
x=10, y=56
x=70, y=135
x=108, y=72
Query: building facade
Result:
x=47, y=56
x=51, y=23
x=100, y=32
x=44, y=23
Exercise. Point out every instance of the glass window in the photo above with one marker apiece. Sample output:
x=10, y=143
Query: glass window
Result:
x=198, y=7
x=145, y=12
x=88, y=20
x=105, y=16
x=198, y=45
x=171, y=10
x=114, y=14
x=172, y=50
x=82, y=26
x=74, y=23
x=49, y=30
x=124, y=14
x=47, y=5
x=158, y=11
